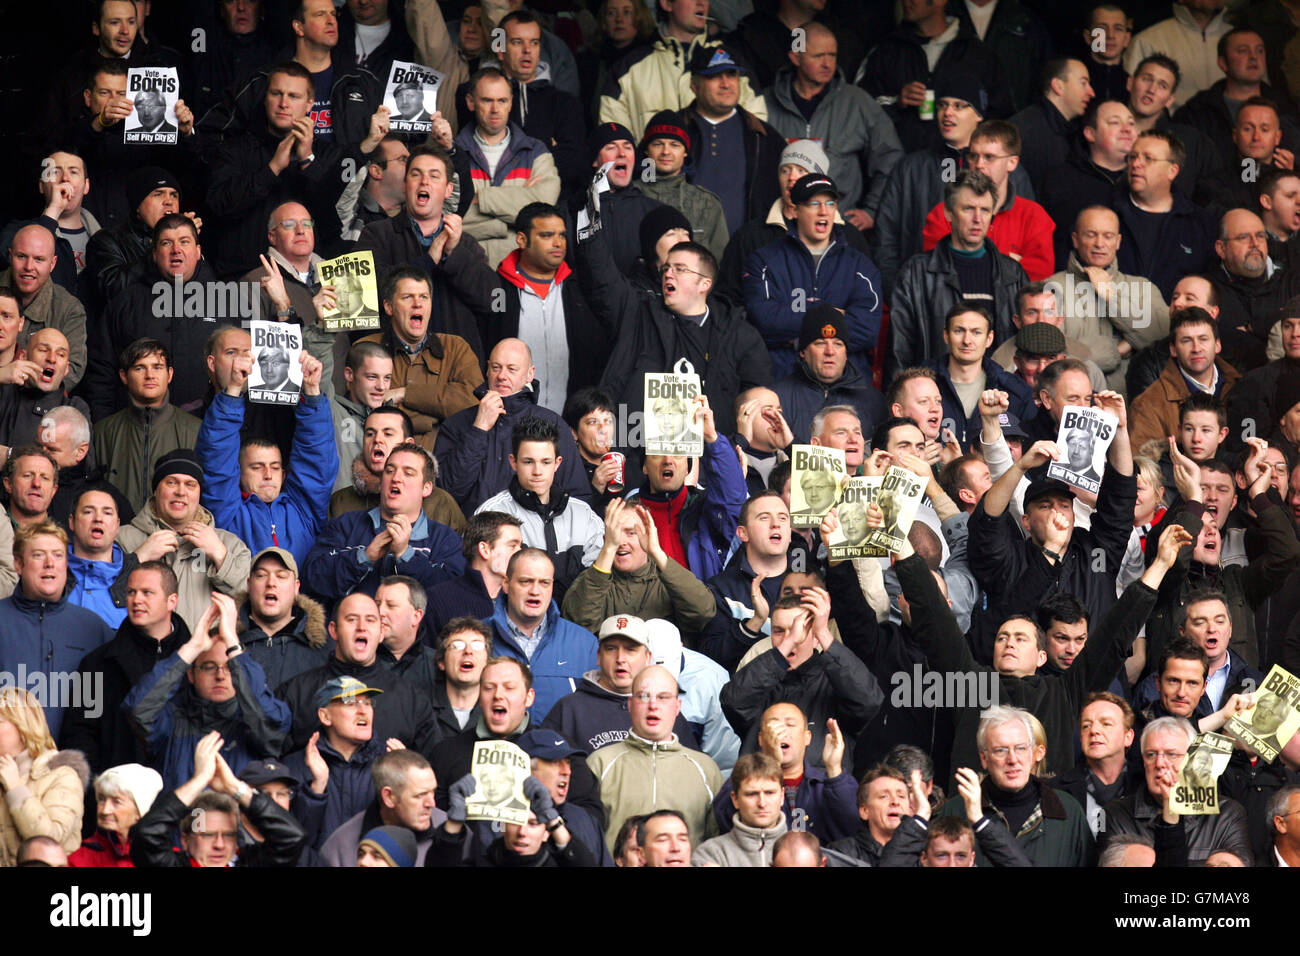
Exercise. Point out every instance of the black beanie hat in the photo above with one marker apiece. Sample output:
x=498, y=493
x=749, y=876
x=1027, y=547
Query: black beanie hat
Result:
x=656, y=222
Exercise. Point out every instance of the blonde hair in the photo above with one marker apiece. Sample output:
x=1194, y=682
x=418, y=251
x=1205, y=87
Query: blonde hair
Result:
x=24, y=711
x=1149, y=470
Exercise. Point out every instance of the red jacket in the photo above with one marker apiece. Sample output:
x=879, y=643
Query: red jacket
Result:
x=101, y=850
x=1022, y=230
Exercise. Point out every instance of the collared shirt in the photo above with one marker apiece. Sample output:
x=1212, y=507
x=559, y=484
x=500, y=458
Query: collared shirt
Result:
x=425, y=241
x=1217, y=683
x=1194, y=386
x=419, y=531
x=529, y=644
x=1280, y=861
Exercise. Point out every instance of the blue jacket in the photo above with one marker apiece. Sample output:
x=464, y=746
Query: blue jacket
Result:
x=91, y=581
x=566, y=652
x=845, y=278
x=350, y=790
x=967, y=428
x=40, y=638
x=726, y=640
x=712, y=509
x=337, y=564
x=826, y=808
x=292, y=520
x=803, y=396
x=164, y=710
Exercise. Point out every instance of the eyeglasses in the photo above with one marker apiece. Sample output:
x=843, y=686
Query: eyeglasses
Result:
x=1151, y=756
x=1260, y=237
x=212, y=667
x=395, y=159
x=288, y=225
x=827, y=204
x=210, y=836
x=644, y=697
x=1147, y=159
x=459, y=645
x=677, y=269
x=986, y=157
x=348, y=703
x=1001, y=753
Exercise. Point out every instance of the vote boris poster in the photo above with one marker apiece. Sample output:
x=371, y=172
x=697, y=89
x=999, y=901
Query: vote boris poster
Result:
x=276, y=377
x=899, y=496
x=671, y=425
x=356, y=287
x=153, y=90
x=1084, y=438
x=816, y=474
x=1268, y=726
x=500, y=769
x=1197, y=792
x=849, y=540
x=588, y=221
x=411, y=96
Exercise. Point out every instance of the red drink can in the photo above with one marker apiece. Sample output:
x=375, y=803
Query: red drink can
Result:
x=616, y=483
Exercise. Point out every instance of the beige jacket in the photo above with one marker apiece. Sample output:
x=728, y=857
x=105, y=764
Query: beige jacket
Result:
x=49, y=802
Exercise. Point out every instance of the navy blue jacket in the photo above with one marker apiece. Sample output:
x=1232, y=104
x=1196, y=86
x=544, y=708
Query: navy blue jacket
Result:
x=566, y=652
x=967, y=428
x=726, y=639
x=463, y=596
x=844, y=278
x=292, y=520
x=592, y=717
x=825, y=807
x=48, y=637
x=164, y=710
x=350, y=790
x=300, y=645
x=337, y=563
x=1184, y=245
x=474, y=465
x=803, y=396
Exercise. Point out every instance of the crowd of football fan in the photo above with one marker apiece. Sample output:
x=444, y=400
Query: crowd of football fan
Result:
x=247, y=634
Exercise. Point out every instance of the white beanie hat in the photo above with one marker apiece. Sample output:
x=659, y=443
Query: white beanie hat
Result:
x=141, y=782
x=808, y=154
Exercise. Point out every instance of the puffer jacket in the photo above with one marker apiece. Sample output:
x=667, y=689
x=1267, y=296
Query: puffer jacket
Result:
x=639, y=776
x=194, y=572
x=742, y=845
x=474, y=464
x=1203, y=834
x=48, y=802
x=803, y=396
x=93, y=584
x=129, y=443
x=592, y=716
x=657, y=78
x=525, y=174
x=702, y=209
x=842, y=277
x=565, y=653
x=928, y=287
x=439, y=380
x=299, y=646
x=671, y=592
x=164, y=710
x=858, y=135
x=293, y=519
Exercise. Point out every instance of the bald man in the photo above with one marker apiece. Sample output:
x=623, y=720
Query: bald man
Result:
x=474, y=446
x=44, y=304
x=1252, y=288
x=40, y=384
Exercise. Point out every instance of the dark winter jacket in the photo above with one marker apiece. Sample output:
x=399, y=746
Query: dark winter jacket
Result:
x=843, y=277
x=165, y=711
x=763, y=146
x=463, y=596
x=927, y=287
x=726, y=639
x=826, y=807
x=402, y=710
x=337, y=564
x=152, y=839
x=300, y=645
x=803, y=396
x=1185, y=243
x=995, y=846
x=621, y=212
x=1057, y=835
x=350, y=790
x=1203, y=835
x=106, y=738
x=464, y=849
x=1248, y=309
x=965, y=427
x=1046, y=138
x=474, y=465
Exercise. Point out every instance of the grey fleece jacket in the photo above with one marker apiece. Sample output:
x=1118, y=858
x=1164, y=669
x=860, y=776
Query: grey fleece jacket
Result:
x=742, y=845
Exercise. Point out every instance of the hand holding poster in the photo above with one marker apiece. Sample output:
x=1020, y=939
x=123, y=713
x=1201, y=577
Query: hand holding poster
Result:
x=411, y=96
x=589, y=215
x=356, y=291
x=849, y=539
x=816, y=474
x=1268, y=726
x=672, y=426
x=1197, y=792
x=900, y=495
x=153, y=90
x=276, y=378
x=1084, y=438
x=500, y=769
